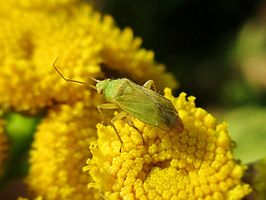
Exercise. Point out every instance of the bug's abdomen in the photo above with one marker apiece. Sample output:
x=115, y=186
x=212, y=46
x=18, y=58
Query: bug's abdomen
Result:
x=151, y=112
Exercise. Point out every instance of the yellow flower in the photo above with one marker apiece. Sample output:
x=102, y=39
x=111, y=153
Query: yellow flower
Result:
x=40, y=4
x=157, y=164
x=87, y=44
x=33, y=34
x=60, y=150
x=3, y=145
x=37, y=198
x=151, y=163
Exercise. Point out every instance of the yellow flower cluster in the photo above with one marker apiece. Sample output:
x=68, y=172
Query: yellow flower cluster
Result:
x=87, y=44
x=33, y=34
x=37, y=198
x=59, y=152
x=41, y=4
x=3, y=145
x=150, y=163
x=155, y=164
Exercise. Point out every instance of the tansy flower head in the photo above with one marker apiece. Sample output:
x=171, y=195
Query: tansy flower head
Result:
x=59, y=152
x=41, y=4
x=150, y=163
x=37, y=198
x=156, y=164
x=87, y=44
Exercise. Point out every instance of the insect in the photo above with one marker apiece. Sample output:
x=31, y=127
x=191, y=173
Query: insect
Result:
x=139, y=101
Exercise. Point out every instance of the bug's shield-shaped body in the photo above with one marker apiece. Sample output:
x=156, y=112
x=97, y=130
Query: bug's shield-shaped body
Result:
x=143, y=103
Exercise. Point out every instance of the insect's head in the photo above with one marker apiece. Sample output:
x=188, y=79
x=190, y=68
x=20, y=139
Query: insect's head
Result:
x=101, y=85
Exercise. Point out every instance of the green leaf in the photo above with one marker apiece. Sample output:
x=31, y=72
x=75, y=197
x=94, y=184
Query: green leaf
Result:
x=19, y=129
x=247, y=127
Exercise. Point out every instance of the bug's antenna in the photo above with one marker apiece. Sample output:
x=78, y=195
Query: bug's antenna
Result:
x=92, y=86
x=66, y=79
x=94, y=80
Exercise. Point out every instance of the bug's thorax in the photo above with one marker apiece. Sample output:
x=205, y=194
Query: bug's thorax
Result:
x=115, y=88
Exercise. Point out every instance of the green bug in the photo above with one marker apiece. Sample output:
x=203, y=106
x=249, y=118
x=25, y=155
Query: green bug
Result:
x=139, y=101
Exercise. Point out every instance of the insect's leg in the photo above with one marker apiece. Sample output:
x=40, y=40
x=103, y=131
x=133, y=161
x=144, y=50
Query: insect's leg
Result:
x=123, y=114
x=110, y=106
x=130, y=123
x=102, y=196
x=106, y=106
x=120, y=115
x=150, y=84
x=120, y=139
